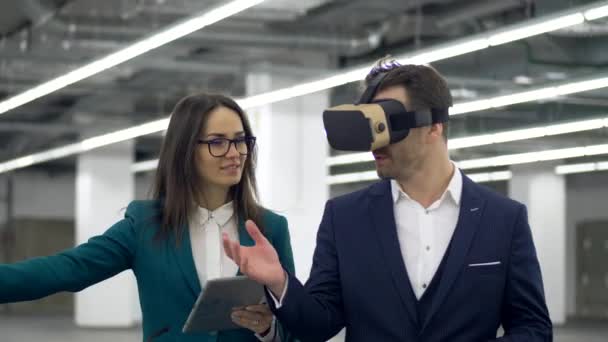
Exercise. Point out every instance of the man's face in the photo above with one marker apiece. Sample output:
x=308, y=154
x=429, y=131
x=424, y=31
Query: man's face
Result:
x=402, y=159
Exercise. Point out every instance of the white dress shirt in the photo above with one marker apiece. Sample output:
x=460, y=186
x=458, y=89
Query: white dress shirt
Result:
x=425, y=233
x=210, y=260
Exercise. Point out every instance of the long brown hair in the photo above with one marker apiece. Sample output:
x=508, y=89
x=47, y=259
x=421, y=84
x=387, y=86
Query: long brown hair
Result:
x=177, y=181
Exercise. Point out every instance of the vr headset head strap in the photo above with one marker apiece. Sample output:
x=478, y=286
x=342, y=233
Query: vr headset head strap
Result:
x=372, y=88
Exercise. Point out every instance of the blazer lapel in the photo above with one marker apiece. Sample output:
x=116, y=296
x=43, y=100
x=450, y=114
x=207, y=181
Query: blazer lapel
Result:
x=381, y=207
x=185, y=260
x=471, y=208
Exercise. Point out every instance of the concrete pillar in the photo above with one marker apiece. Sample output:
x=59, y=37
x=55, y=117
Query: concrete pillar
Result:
x=291, y=161
x=544, y=194
x=104, y=188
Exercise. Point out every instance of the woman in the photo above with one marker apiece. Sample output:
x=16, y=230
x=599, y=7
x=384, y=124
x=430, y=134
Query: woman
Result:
x=205, y=187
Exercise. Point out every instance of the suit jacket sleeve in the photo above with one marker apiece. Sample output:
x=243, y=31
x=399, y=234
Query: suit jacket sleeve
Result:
x=314, y=312
x=282, y=244
x=74, y=269
x=525, y=316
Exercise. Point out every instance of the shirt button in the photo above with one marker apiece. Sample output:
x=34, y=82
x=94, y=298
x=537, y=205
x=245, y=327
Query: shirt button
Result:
x=428, y=248
x=424, y=286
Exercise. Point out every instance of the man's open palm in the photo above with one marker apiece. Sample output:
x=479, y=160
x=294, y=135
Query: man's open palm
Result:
x=259, y=262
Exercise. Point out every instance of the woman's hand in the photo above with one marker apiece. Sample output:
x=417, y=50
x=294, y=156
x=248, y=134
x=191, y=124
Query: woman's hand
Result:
x=256, y=318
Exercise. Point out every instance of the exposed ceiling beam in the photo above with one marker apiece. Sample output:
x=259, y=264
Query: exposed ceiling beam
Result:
x=458, y=12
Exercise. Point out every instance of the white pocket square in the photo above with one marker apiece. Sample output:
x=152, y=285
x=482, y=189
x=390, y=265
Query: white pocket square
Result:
x=485, y=264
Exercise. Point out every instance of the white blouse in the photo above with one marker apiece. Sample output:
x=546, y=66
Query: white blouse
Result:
x=210, y=260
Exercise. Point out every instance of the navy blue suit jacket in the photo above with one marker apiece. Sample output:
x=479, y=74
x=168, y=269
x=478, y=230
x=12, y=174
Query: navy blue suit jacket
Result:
x=359, y=281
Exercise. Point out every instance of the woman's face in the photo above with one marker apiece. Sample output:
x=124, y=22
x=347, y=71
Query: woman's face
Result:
x=219, y=161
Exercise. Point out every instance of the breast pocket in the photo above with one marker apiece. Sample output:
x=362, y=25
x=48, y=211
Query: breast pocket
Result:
x=486, y=281
x=494, y=268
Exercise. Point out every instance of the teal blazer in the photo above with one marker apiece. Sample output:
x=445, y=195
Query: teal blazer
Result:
x=166, y=276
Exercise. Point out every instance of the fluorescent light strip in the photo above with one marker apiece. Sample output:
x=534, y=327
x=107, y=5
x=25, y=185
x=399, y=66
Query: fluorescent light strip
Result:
x=85, y=145
x=527, y=133
x=505, y=100
x=352, y=177
x=505, y=160
x=496, y=176
x=531, y=157
x=304, y=88
x=41, y=157
x=154, y=41
x=537, y=28
x=566, y=169
x=596, y=13
x=373, y=176
x=483, y=177
x=543, y=93
x=446, y=51
x=575, y=168
x=125, y=134
x=488, y=139
x=160, y=125
x=580, y=168
x=144, y=166
x=442, y=51
x=151, y=165
x=350, y=158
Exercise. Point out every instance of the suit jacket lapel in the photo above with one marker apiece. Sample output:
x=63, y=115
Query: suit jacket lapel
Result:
x=471, y=208
x=185, y=260
x=381, y=207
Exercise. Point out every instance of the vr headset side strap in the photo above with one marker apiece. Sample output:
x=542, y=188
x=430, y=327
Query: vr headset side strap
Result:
x=440, y=115
x=372, y=89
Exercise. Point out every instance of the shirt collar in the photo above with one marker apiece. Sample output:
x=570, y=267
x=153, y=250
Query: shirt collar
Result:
x=220, y=215
x=454, y=188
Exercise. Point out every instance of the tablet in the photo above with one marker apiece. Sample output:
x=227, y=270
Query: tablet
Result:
x=214, y=305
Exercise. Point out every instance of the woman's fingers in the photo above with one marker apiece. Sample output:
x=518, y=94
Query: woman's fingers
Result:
x=252, y=320
x=259, y=308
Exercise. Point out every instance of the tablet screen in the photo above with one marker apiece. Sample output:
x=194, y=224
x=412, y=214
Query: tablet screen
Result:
x=213, y=308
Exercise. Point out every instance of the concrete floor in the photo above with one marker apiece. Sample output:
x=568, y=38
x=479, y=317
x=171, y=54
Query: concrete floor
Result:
x=62, y=329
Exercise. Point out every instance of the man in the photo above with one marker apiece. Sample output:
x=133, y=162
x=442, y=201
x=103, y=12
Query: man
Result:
x=423, y=255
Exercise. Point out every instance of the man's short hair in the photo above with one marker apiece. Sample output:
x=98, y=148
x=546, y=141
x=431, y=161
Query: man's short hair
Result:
x=425, y=86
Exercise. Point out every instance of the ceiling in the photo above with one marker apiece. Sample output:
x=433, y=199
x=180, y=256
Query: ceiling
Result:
x=42, y=39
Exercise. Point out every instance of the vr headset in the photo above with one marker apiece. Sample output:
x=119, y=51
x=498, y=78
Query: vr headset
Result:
x=370, y=125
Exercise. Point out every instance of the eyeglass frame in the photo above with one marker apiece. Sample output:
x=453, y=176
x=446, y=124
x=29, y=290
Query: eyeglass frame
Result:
x=249, y=141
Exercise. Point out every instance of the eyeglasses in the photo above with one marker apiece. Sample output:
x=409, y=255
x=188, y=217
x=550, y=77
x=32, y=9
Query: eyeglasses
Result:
x=219, y=147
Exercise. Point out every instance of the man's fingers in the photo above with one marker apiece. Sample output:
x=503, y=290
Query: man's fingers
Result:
x=235, y=248
x=244, y=265
x=232, y=248
x=254, y=232
x=226, y=242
